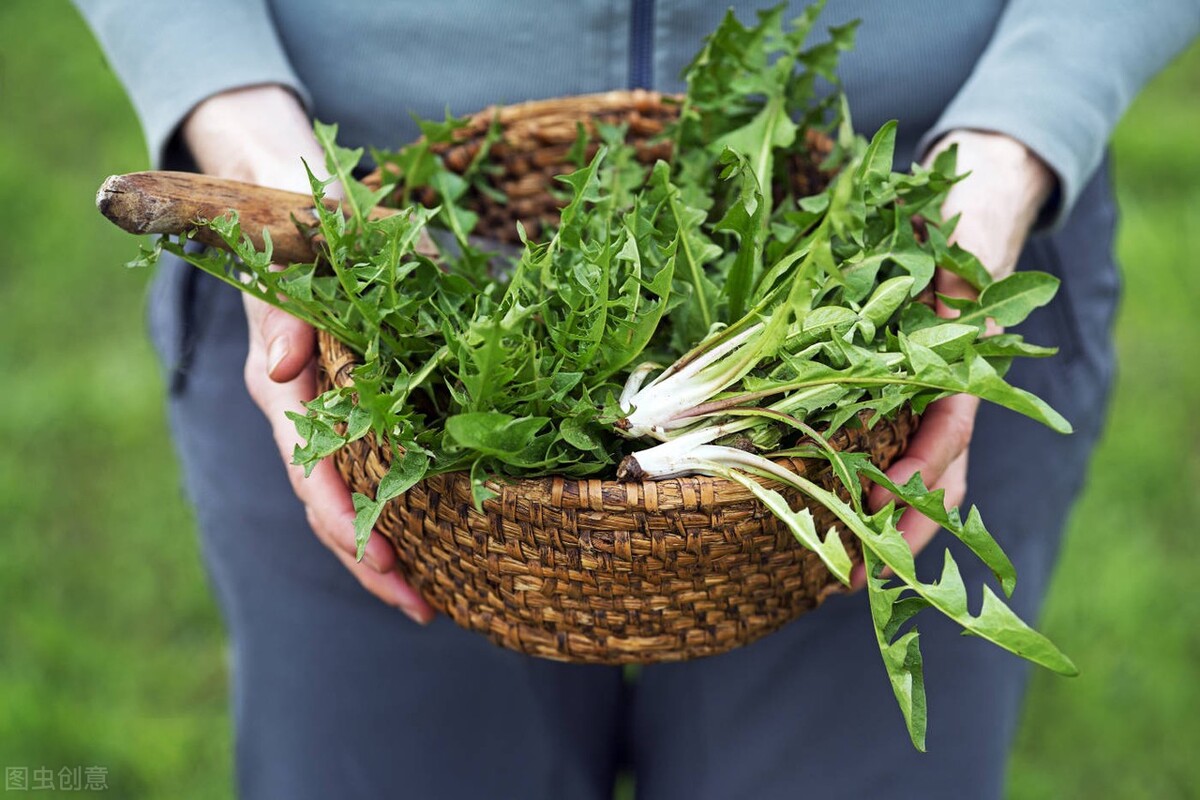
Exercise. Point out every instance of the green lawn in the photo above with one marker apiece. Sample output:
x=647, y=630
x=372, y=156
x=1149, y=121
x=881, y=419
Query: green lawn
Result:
x=1124, y=604
x=111, y=652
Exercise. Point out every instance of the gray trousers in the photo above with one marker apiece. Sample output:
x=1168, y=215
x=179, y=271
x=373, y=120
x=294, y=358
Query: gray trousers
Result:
x=337, y=695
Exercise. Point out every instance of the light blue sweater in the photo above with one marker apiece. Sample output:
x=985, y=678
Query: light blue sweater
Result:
x=1055, y=74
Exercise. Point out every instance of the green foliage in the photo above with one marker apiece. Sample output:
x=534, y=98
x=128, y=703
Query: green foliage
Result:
x=806, y=353
x=79, y=683
x=778, y=316
x=892, y=606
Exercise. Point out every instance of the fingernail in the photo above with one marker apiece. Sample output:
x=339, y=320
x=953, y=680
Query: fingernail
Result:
x=276, y=353
x=413, y=612
x=378, y=553
x=858, y=577
x=412, y=607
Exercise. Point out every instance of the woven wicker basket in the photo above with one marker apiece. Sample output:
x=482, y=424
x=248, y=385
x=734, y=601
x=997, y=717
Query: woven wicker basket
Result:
x=598, y=571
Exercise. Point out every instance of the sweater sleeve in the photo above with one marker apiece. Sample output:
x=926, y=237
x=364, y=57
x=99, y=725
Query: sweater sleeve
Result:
x=1058, y=74
x=170, y=58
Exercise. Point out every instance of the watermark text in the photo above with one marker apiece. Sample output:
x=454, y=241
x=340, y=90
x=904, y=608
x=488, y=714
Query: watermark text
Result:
x=63, y=779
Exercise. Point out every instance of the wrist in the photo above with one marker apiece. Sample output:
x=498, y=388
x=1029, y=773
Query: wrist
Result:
x=1005, y=189
x=257, y=134
x=1016, y=180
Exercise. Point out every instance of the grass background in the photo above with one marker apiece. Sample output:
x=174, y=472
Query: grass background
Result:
x=111, y=652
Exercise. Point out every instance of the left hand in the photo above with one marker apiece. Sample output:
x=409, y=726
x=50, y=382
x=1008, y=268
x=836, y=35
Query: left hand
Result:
x=999, y=202
x=259, y=134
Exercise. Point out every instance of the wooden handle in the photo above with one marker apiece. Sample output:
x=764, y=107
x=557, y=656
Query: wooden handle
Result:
x=172, y=202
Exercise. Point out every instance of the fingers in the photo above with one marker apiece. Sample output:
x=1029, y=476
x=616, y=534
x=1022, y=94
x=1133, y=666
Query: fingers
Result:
x=951, y=285
x=390, y=588
x=939, y=452
x=326, y=498
x=331, y=514
x=919, y=529
x=916, y=528
x=945, y=432
x=286, y=343
x=324, y=494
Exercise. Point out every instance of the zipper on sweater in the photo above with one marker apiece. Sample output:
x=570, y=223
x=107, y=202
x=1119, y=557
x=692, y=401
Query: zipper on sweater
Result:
x=641, y=45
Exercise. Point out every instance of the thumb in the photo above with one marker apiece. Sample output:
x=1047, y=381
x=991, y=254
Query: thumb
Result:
x=282, y=344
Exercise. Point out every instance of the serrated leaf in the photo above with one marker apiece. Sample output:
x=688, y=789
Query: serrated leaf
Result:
x=493, y=433
x=801, y=524
x=932, y=504
x=406, y=469
x=983, y=381
x=321, y=440
x=901, y=657
x=744, y=218
x=341, y=161
x=995, y=621
x=366, y=514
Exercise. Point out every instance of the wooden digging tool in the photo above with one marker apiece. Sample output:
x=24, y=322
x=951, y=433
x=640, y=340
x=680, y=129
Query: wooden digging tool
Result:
x=172, y=202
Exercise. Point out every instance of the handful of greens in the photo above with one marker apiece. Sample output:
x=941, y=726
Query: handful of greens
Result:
x=782, y=319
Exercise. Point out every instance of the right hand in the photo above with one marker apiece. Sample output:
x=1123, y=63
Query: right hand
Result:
x=258, y=135
x=998, y=203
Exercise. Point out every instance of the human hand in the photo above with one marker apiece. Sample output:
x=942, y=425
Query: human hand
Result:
x=999, y=202
x=259, y=135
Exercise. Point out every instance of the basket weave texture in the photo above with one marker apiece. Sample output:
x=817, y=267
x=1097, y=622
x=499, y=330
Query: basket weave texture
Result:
x=589, y=570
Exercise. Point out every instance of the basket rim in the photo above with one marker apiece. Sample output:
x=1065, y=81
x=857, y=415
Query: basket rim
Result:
x=607, y=492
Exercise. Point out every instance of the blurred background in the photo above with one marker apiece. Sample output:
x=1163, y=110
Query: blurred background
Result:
x=111, y=651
